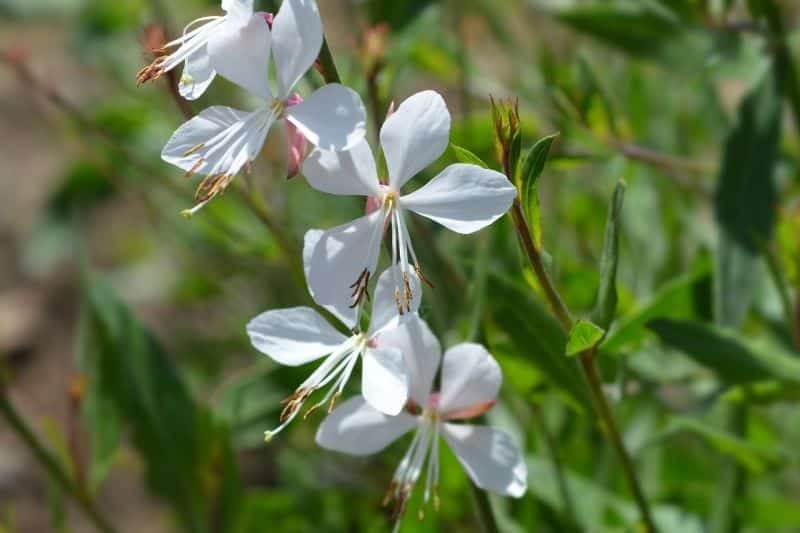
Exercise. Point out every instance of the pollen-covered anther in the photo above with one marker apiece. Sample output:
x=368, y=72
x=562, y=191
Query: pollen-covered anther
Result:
x=398, y=302
x=212, y=185
x=389, y=496
x=189, y=173
x=421, y=275
x=407, y=291
x=401, y=502
x=294, y=402
x=248, y=168
x=194, y=149
x=151, y=72
x=360, y=288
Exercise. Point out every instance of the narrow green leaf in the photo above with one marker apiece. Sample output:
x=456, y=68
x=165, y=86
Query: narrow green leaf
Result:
x=530, y=170
x=735, y=359
x=465, y=156
x=584, y=336
x=606, y=303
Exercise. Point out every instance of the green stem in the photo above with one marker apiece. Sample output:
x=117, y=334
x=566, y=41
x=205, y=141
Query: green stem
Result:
x=732, y=482
x=326, y=64
x=484, y=510
x=772, y=12
x=54, y=469
x=587, y=365
x=555, y=460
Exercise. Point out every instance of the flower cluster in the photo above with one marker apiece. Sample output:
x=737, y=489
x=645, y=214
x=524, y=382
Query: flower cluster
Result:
x=400, y=357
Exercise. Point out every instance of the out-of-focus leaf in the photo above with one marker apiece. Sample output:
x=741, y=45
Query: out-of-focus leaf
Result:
x=676, y=300
x=745, y=198
x=84, y=186
x=583, y=336
x=639, y=31
x=465, y=156
x=530, y=170
x=536, y=336
x=606, y=305
x=735, y=359
x=754, y=459
x=186, y=452
x=396, y=14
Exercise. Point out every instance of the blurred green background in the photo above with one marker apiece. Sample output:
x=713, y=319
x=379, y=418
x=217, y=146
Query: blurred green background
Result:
x=122, y=324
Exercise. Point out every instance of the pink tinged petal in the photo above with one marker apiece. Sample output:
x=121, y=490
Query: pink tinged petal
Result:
x=463, y=198
x=415, y=135
x=339, y=261
x=269, y=18
x=297, y=146
x=347, y=173
x=421, y=352
x=384, y=302
x=297, y=33
x=197, y=75
x=239, y=51
x=490, y=458
x=471, y=379
x=293, y=336
x=384, y=380
x=332, y=118
x=357, y=428
x=372, y=204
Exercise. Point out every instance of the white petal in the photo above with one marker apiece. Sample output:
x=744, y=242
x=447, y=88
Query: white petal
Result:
x=463, y=198
x=197, y=75
x=349, y=173
x=239, y=9
x=421, y=352
x=384, y=380
x=297, y=32
x=332, y=118
x=229, y=138
x=415, y=136
x=240, y=53
x=293, y=336
x=384, y=304
x=470, y=377
x=490, y=458
x=357, y=428
x=336, y=258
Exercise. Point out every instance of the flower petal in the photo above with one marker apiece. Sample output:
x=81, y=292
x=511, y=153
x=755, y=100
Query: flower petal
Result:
x=490, y=458
x=463, y=198
x=384, y=380
x=384, y=303
x=219, y=140
x=335, y=260
x=421, y=352
x=297, y=32
x=332, y=118
x=470, y=377
x=239, y=51
x=357, y=428
x=197, y=75
x=239, y=9
x=293, y=336
x=348, y=173
x=415, y=136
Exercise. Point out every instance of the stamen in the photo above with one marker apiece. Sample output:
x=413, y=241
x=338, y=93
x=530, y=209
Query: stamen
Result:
x=407, y=291
x=360, y=288
x=422, y=276
x=397, y=302
x=193, y=149
x=212, y=185
x=151, y=72
x=191, y=171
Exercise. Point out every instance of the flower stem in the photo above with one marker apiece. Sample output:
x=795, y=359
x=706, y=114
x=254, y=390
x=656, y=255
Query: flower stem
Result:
x=326, y=64
x=484, y=510
x=48, y=461
x=555, y=460
x=587, y=365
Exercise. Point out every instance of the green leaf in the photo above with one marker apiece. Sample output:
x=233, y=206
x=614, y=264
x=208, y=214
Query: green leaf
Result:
x=530, y=170
x=746, y=198
x=465, y=156
x=735, y=359
x=583, y=336
x=535, y=337
x=186, y=453
x=606, y=304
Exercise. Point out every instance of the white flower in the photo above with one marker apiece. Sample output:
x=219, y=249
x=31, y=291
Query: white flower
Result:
x=470, y=382
x=220, y=141
x=463, y=198
x=300, y=335
x=201, y=42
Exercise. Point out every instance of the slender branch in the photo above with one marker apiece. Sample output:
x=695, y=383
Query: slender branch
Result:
x=50, y=464
x=797, y=323
x=327, y=66
x=791, y=81
x=483, y=508
x=555, y=459
x=587, y=364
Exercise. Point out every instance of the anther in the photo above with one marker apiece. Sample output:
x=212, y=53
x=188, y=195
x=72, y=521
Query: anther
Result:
x=360, y=288
x=193, y=149
x=422, y=276
x=191, y=171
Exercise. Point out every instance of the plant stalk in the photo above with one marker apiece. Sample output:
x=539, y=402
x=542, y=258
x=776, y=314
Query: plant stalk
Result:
x=48, y=461
x=555, y=460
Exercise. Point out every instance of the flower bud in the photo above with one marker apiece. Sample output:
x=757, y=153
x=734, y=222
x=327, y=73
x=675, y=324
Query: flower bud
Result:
x=296, y=142
x=508, y=134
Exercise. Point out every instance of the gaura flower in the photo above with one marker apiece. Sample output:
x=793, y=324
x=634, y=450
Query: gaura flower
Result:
x=220, y=141
x=299, y=335
x=204, y=43
x=470, y=382
x=463, y=198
